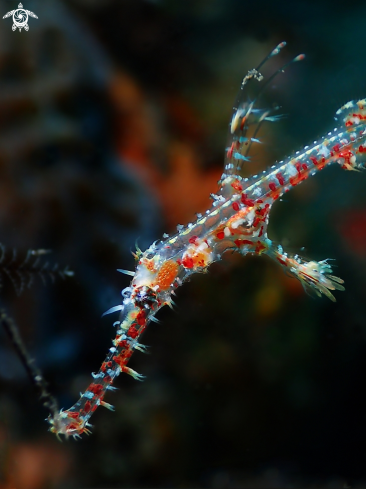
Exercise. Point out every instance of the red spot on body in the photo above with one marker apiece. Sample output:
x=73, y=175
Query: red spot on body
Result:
x=220, y=235
x=87, y=407
x=260, y=247
x=132, y=332
x=280, y=179
x=262, y=211
x=123, y=358
x=281, y=261
x=96, y=389
x=193, y=240
x=236, y=186
x=242, y=125
x=347, y=155
x=256, y=221
x=241, y=242
x=246, y=201
x=119, y=360
x=272, y=186
x=141, y=318
x=229, y=153
x=72, y=414
x=235, y=206
x=302, y=174
x=314, y=160
x=187, y=262
x=123, y=344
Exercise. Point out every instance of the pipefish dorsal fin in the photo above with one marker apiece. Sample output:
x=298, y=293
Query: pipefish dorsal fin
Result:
x=247, y=119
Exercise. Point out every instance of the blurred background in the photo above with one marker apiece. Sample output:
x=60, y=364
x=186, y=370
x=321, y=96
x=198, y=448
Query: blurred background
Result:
x=113, y=122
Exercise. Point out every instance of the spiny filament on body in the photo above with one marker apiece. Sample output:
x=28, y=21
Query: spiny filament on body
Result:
x=237, y=221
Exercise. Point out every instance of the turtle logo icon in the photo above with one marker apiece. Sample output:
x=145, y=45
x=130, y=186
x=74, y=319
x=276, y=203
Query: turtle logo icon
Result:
x=20, y=17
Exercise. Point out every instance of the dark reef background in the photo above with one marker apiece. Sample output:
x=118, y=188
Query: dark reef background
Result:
x=113, y=120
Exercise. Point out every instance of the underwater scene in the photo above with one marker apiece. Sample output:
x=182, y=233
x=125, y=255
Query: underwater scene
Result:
x=118, y=118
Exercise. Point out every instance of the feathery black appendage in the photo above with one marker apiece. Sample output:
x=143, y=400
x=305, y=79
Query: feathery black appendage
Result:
x=21, y=272
x=34, y=373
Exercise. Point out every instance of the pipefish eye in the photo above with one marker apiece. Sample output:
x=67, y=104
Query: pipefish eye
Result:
x=144, y=296
x=149, y=255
